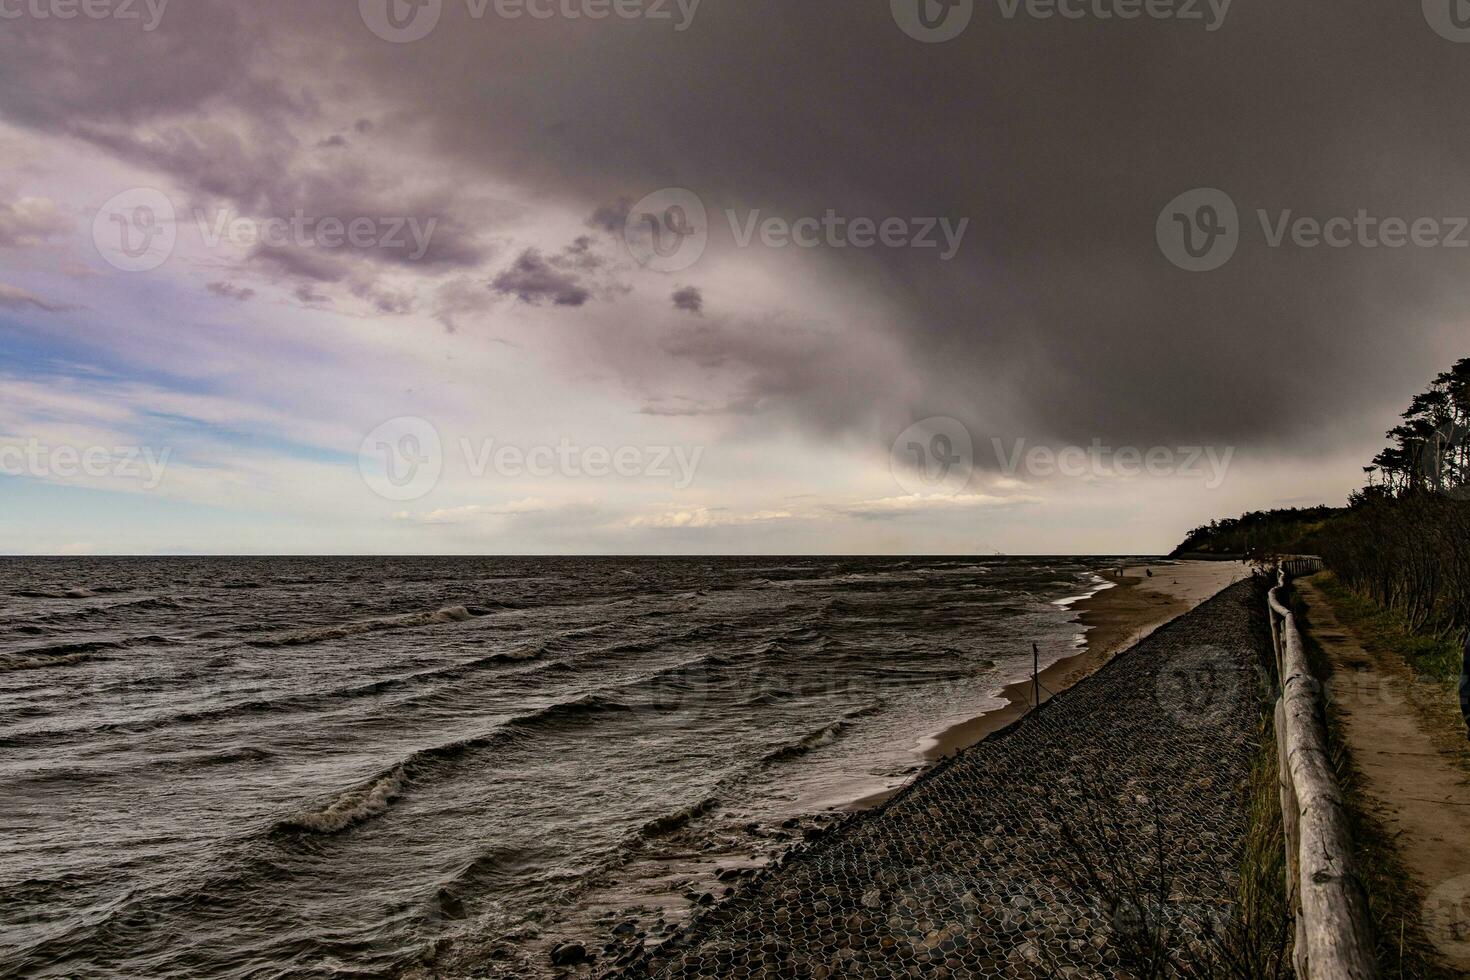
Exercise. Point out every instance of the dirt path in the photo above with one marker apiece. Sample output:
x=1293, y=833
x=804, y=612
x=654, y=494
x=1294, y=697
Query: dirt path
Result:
x=1415, y=790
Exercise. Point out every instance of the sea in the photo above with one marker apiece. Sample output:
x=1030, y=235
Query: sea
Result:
x=302, y=767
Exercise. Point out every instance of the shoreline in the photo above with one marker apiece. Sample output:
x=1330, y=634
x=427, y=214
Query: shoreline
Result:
x=988, y=818
x=677, y=882
x=1112, y=619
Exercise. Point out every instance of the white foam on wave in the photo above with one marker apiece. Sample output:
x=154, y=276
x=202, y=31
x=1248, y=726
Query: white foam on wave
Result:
x=1102, y=585
x=354, y=806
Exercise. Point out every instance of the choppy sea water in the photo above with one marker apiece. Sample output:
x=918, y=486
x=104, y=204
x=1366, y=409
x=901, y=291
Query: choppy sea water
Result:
x=318, y=767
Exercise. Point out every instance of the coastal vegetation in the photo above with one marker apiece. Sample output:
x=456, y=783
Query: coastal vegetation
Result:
x=1280, y=532
x=1429, y=656
x=1403, y=541
x=1410, y=555
x=1398, y=560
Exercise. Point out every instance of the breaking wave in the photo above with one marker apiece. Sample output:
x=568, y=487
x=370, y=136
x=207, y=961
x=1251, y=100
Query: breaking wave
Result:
x=353, y=806
x=65, y=654
x=821, y=738
x=373, y=797
x=671, y=822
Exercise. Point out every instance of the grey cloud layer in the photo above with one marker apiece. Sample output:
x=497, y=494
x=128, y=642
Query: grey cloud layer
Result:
x=689, y=299
x=532, y=278
x=1060, y=140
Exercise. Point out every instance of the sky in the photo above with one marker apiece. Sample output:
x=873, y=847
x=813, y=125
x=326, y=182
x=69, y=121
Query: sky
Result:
x=713, y=276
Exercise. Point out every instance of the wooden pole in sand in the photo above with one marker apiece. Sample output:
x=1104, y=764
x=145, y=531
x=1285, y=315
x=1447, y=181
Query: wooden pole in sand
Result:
x=1036, y=675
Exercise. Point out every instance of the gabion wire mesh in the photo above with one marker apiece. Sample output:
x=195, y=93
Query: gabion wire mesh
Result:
x=1116, y=812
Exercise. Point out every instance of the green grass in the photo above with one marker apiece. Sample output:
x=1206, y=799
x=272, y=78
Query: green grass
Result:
x=1383, y=630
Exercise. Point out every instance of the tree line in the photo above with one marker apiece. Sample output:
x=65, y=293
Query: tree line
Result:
x=1404, y=538
x=1430, y=451
x=1260, y=532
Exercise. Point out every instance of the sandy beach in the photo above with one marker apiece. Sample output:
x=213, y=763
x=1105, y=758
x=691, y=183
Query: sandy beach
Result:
x=965, y=871
x=1114, y=619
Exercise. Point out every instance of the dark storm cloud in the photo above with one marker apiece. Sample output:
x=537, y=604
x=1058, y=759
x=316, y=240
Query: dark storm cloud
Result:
x=758, y=372
x=571, y=277
x=67, y=75
x=689, y=299
x=532, y=279
x=612, y=218
x=310, y=296
x=581, y=255
x=301, y=263
x=228, y=290
x=1061, y=140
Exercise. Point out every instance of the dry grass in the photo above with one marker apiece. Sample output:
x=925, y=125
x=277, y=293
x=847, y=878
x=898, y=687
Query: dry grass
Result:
x=1262, y=940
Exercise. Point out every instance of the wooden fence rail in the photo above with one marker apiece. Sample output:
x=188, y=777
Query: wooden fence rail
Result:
x=1298, y=567
x=1334, y=938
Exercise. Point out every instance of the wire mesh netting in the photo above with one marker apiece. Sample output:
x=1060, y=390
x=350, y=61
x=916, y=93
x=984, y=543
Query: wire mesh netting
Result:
x=1097, y=834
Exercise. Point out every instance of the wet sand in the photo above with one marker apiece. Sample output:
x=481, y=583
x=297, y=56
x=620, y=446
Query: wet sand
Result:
x=1114, y=620
x=967, y=871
